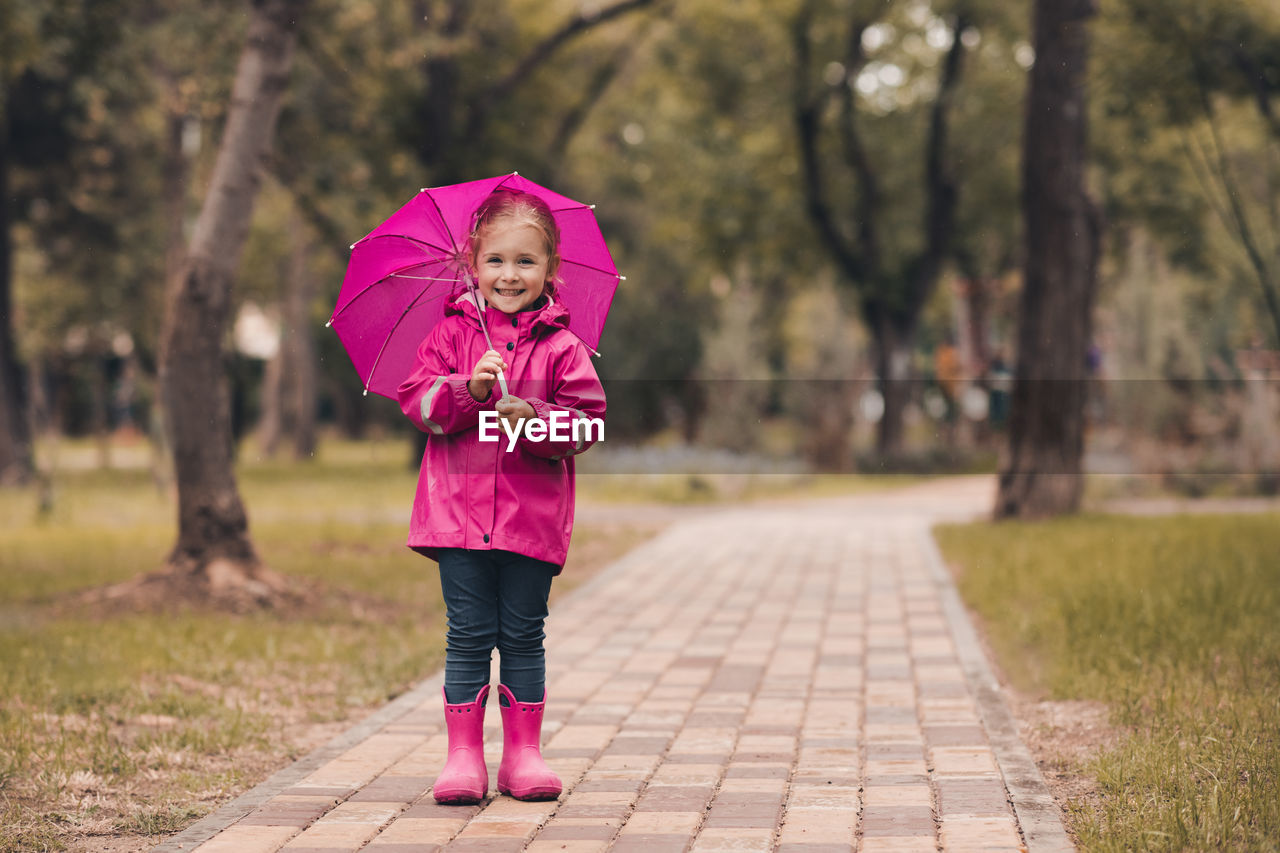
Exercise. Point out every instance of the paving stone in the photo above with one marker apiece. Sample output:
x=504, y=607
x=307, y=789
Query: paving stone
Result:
x=407, y=830
x=898, y=844
x=992, y=833
x=897, y=821
x=651, y=843
x=565, y=831
x=379, y=846
x=972, y=797
x=245, y=838
x=725, y=838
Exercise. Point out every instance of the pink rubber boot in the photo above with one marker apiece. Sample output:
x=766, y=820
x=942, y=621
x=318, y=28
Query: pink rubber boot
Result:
x=464, y=779
x=523, y=774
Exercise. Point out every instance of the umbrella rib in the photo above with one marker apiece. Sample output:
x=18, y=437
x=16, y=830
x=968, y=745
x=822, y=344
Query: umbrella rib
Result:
x=408, y=237
x=581, y=265
x=371, y=285
x=577, y=205
x=447, y=230
x=390, y=335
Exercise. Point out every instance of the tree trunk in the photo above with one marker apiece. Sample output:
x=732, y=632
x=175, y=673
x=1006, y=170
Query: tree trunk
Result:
x=299, y=342
x=214, y=553
x=16, y=460
x=976, y=334
x=175, y=172
x=856, y=245
x=289, y=386
x=99, y=407
x=1043, y=475
x=893, y=348
x=271, y=423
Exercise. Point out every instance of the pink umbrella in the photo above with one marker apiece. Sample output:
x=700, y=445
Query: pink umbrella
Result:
x=401, y=276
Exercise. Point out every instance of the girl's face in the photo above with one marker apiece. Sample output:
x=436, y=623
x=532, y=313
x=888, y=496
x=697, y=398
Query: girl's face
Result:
x=512, y=266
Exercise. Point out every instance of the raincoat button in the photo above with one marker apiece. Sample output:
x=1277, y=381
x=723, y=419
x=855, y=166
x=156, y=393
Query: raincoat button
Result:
x=486, y=537
x=515, y=321
x=511, y=345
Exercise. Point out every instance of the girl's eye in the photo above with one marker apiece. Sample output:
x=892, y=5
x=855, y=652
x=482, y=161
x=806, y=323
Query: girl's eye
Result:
x=527, y=261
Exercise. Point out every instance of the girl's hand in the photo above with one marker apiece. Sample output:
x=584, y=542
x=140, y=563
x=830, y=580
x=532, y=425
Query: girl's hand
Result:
x=485, y=374
x=513, y=410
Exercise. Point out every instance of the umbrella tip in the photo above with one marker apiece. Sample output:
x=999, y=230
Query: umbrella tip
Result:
x=424, y=189
x=366, y=393
x=329, y=324
x=515, y=173
x=352, y=246
x=622, y=278
x=591, y=207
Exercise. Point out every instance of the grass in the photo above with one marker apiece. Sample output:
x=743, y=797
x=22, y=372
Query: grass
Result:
x=1174, y=623
x=139, y=723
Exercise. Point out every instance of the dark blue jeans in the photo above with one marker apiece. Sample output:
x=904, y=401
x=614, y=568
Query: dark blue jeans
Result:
x=494, y=599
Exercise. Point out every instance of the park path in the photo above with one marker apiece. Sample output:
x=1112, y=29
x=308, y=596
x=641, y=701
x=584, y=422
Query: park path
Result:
x=797, y=677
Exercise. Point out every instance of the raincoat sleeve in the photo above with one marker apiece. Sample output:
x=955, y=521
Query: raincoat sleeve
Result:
x=577, y=406
x=435, y=396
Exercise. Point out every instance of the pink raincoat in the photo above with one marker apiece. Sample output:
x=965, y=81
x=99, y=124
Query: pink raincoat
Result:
x=478, y=495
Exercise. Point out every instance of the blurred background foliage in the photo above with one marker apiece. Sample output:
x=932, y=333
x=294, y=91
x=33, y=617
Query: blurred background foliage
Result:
x=734, y=328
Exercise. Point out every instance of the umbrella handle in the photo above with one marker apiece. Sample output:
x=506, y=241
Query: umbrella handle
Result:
x=471, y=285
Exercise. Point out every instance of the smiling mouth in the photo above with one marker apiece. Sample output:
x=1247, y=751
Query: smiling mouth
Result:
x=508, y=292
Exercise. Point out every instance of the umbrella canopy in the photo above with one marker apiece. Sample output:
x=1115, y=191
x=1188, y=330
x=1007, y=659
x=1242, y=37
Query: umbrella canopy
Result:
x=401, y=276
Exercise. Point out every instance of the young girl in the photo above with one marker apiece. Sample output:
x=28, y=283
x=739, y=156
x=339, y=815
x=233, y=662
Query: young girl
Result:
x=498, y=520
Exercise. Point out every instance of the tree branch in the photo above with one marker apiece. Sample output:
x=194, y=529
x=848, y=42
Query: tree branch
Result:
x=332, y=236
x=868, y=204
x=808, y=122
x=1238, y=216
x=1261, y=92
x=573, y=119
x=540, y=53
x=940, y=212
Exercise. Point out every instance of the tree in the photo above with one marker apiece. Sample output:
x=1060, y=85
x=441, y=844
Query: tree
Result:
x=49, y=53
x=891, y=286
x=1042, y=475
x=1196, y=70
x=214, y=555
x=16, y=460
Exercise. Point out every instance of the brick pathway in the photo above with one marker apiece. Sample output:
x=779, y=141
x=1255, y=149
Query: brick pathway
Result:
x=798, y=677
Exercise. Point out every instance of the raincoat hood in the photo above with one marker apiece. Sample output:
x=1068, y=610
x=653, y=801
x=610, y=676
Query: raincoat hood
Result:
x=550, y=314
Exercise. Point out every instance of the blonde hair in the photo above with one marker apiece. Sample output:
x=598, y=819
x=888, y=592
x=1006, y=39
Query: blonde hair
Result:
x=519, y=208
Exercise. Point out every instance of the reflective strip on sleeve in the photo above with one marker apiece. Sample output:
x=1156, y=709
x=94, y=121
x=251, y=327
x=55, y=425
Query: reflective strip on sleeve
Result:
x=426, y=407
x=582, y=439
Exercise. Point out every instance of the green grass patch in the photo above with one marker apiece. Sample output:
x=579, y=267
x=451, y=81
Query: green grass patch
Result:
x=1175, y=624
x=141, y=722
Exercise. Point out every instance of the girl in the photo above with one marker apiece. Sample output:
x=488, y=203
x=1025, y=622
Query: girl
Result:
x=497, y=515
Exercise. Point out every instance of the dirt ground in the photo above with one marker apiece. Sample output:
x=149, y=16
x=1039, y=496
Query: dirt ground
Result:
x=1061, y=735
